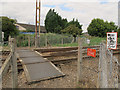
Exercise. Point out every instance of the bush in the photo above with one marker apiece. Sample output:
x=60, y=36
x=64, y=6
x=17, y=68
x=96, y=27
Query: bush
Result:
x=99, y=27
x=119, y=40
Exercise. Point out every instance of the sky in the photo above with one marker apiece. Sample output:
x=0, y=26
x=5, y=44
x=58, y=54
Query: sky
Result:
x=83, y=10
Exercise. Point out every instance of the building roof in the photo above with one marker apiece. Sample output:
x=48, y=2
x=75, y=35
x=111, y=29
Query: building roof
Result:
x=32, y=27
x=20, y=27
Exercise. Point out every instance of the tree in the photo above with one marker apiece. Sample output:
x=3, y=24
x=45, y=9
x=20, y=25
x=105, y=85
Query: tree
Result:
x=118, y=32
x=99, y=27
x=54, y=23
x=73, y=30
x=75, y=22
x=8, y=27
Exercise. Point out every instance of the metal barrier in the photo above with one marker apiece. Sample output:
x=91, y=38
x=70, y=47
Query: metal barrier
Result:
x=44, y=40
x=108, y=68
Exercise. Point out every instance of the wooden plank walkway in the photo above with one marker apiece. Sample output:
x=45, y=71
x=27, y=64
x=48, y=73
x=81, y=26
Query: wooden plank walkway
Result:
x=36, y=67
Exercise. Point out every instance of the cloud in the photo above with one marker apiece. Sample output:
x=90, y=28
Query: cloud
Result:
x=83, y=10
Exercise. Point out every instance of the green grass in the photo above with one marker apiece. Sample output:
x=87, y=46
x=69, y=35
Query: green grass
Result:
x=96, y=40
x=55, y=40
x=119, y=40
x=93, y=41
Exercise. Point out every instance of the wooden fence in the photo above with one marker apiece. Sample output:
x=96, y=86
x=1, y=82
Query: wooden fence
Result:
x=11, y=61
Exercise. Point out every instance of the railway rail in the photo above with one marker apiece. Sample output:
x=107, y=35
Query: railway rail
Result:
x=56, y=52
x=51, y=53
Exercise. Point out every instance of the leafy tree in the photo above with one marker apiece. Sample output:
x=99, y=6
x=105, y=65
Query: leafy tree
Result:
x=28, y=30
x=118, y=32
x=73, y=30
x=75, y=22
x=53, y=22
x=8, y=27
x=99, y=27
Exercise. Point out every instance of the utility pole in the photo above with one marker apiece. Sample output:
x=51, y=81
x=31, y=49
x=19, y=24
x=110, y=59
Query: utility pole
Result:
x=39, y=17
x=37, y=22
x=36, y=27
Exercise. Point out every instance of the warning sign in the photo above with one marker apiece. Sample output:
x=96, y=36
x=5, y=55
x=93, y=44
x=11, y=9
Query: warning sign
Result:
x=91, y=52
x=112, y=40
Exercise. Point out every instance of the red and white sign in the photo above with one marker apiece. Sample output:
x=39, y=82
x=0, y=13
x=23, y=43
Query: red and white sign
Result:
x=112, y=40
x=91, y=52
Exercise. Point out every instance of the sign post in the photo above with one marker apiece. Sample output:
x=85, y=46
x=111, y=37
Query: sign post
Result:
x=112, y=40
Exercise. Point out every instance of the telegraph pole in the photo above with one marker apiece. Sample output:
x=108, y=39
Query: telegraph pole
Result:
x=37, y=22
x=39, y=17
x=36, y=27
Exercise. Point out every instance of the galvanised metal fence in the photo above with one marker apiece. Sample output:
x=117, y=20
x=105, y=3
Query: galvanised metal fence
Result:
x=44, y=40
x=87, y=66
x=108, y=68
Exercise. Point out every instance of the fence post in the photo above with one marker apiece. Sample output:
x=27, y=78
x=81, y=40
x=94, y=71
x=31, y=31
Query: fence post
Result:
x=99, y=67
x=104, y=82
x=79, y=63
x=111, y=60
x=14, y=65
x=29, y=41
x=119, y=66
x=38, y=40
x=9, y=40
x=46, y=40
x=62, y=41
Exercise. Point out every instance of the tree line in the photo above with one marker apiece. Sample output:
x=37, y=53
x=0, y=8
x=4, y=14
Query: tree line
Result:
x=54, y=23
x=99, y=27
x=8, y=27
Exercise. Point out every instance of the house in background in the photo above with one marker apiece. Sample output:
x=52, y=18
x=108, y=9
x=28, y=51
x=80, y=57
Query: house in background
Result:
x=25, y=27
x=20, y=28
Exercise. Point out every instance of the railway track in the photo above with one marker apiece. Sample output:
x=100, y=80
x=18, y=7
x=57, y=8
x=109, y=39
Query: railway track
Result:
x=58, y=52
x=51, y=53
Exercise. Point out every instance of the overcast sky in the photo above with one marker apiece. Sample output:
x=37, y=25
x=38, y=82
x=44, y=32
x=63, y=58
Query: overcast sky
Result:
x=83, y=10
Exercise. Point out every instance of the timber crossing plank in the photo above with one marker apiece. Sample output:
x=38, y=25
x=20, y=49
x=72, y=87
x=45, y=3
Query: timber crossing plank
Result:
x=36, y=67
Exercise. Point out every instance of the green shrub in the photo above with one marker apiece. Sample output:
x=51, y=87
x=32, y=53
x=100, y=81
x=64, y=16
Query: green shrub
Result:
x=119, y=40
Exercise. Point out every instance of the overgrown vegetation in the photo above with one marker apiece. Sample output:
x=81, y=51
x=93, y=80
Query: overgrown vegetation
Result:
x=28, y=30
x=99, y=27
x=73, y=30
x=8, y=27
x=54, y=23
x=52, y=38
x=118, y=32
x=55, y=40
